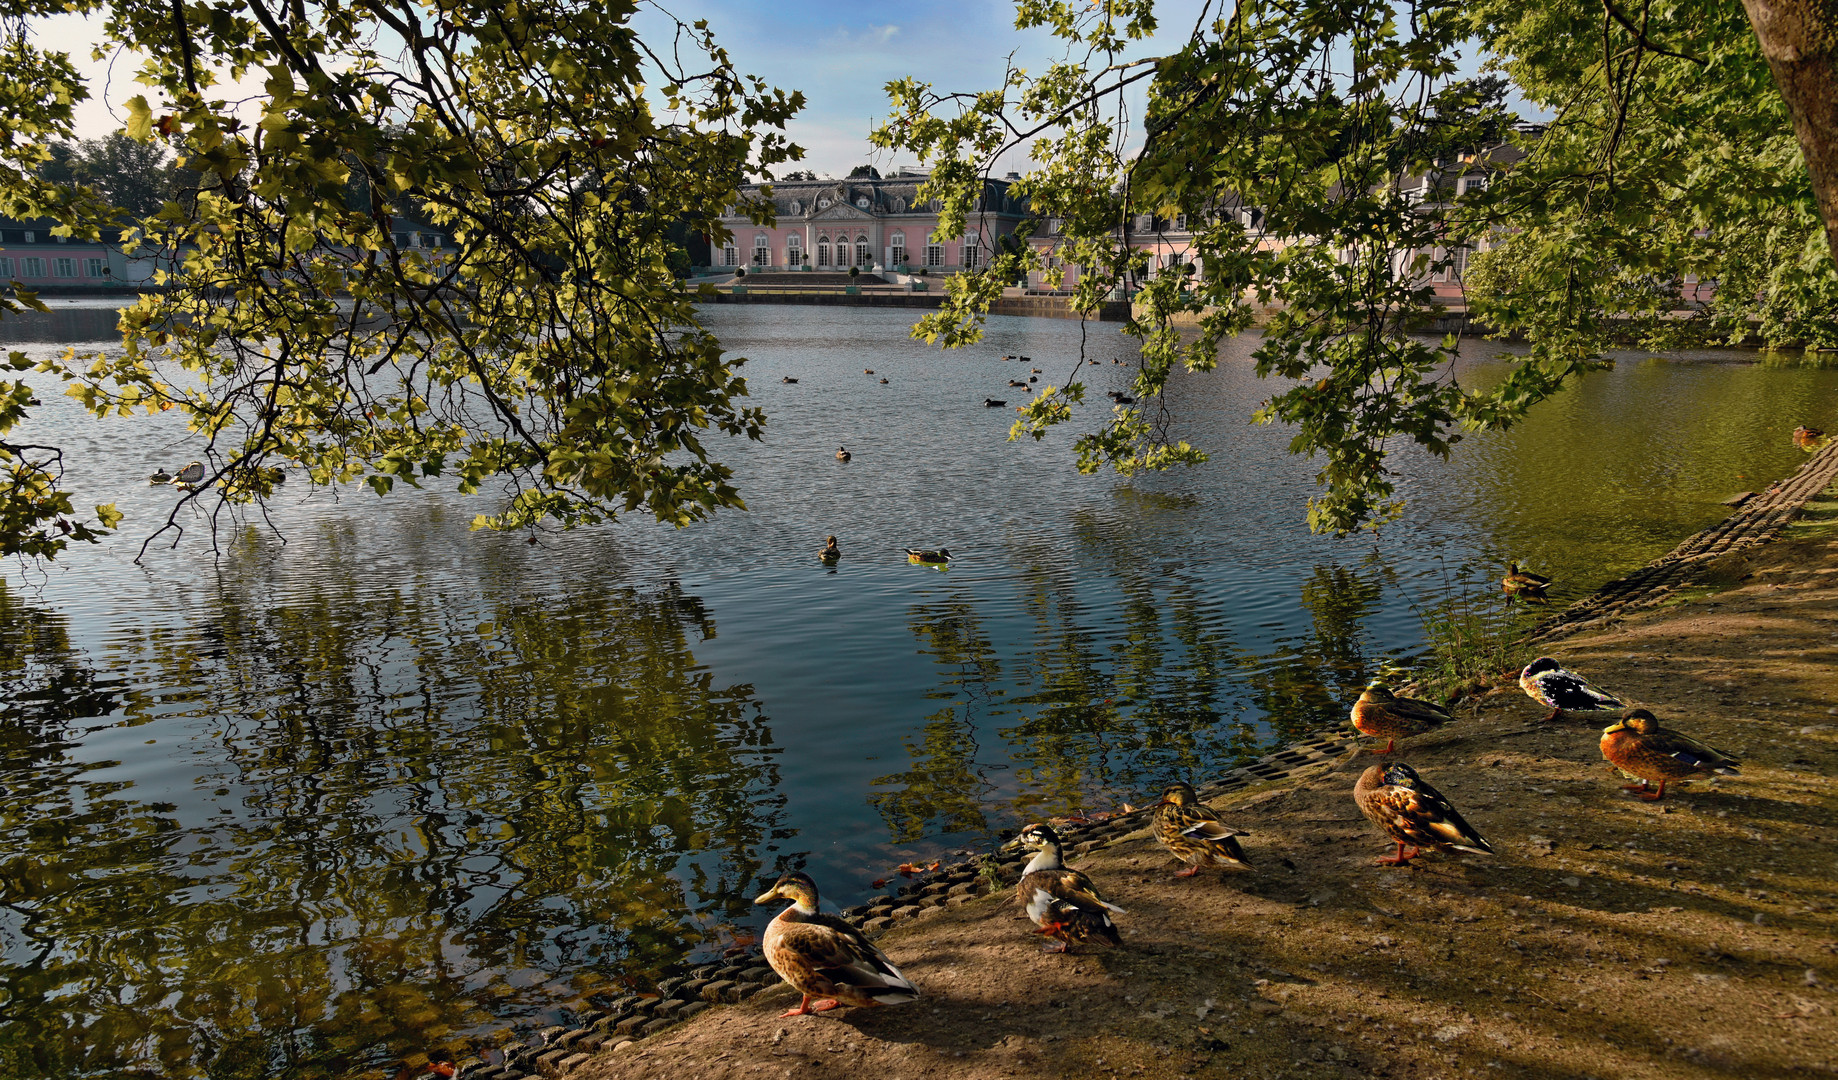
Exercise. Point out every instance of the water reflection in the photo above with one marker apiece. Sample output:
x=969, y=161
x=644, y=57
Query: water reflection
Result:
x=401, y=822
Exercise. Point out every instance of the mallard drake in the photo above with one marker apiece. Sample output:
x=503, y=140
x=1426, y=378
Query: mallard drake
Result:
x=928, y=555
x=160, y=476
x=1807, y=438
x=1413, y=813
x=993, y=403
x=1545, y=681
x=1383, y=715
x=1638, y=746
x=824, y=957
x=830, y=552
x=191, y=474
x=1189, y=828
x=1062, y=901
x=843, y=454
x=1519, y=582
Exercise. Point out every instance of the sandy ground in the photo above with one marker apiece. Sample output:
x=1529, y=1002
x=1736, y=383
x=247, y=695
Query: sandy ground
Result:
x=1609, y=938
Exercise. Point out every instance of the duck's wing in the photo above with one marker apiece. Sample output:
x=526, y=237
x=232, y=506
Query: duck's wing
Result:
x=839, y=953
x=1568, y=690
x=1422, y=712
x=1201, y=823
x=1437, y=819
x=1691, y=752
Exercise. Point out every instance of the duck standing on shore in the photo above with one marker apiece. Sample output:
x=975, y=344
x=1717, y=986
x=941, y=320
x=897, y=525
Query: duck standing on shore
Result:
x=1545, y=681
x=1190, y=830
x=1383, y=715
x=1640, y=747
x=1413, y=813
x=1062, y=901
x=823, y=957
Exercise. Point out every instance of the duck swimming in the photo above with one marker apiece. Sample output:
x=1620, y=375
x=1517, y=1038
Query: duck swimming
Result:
x=823, y=957
x=842, y=454
x=928, y=555
x=830, y=552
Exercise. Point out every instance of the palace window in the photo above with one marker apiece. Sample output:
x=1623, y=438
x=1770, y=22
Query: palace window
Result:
x=6, y=269
x=98, y=268
x=823, y=251
x=794, y=251
x=34, y=267
x=730, y=256
x=762, y=250
x=31, y=237
x=934, y=255
x=862, y=202
x=898, y=243
x=970, y=254
x=66, y=267
x=862, y=256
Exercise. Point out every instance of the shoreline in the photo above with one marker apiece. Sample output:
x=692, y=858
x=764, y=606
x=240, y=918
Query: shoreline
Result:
x=953, y=914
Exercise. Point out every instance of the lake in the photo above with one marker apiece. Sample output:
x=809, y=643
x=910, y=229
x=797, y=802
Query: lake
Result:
x=364, y=783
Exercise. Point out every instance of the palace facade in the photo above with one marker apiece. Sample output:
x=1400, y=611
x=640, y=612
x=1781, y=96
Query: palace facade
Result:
x=864, y=222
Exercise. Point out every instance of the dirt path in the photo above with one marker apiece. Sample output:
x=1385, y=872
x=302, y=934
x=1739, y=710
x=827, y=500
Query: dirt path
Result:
x=1696, y=937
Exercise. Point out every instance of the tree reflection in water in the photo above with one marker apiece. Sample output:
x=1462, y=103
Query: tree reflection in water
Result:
x=402, y=823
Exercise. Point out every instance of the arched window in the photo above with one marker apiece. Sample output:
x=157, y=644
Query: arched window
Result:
x=794, y=250
x=862, y=256
x=795, y=209
x=823, y=251
x=862, y=202
x=897, y=241
x=762, y=250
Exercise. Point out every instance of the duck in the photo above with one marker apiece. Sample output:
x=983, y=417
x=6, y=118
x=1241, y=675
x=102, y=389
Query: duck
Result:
x=1025, y=359
x=992, y=403
x=1035, y=371
x=1545, y=681
x=1092, y=362
x=788, y=379
x=1191, y=830
x=1414, y=814
x=1637, y=745
x=830, y=552
x=191, y=474
x=160, y=476
x=823, y=957
x=867, y=371
x=1519, y=582
x=1383, y=715
x=1807, y=438
x=1063, y=902
x=842, y=454
x=928, y=555
x=1017, y=382
x=883, y=382
x=1123, y=399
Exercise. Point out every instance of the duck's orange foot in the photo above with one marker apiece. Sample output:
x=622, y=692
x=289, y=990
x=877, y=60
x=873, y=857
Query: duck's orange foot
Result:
x=1642, y=786
x=1400, y=859
x=1555, y=713
x=1189, y=872
x=825, y=1005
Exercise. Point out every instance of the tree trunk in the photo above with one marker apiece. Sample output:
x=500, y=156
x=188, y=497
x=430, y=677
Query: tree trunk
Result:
x=1800, y=40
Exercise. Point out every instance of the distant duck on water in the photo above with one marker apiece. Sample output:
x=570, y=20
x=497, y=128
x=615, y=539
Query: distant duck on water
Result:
x=928, y=555
x=1524, y=583
x=788, y=379
x=992, y=403
x=1808, y=438
x=830, y=552
x=190, y=474
x=160, y=476
x=842, y=454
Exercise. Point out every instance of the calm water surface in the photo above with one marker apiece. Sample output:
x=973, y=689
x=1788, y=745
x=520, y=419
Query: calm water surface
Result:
x=369, y=784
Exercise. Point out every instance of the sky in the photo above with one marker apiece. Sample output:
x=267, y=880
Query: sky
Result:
x=840, y=53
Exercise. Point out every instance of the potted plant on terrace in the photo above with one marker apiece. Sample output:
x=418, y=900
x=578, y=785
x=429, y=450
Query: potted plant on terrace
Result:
x=740, y=276
x=852, y=289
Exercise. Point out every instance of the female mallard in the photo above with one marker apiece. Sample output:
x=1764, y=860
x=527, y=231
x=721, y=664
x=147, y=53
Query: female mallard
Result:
x=1638, y=746
x=1546, y=682
x=1063, y=902
x=1382, y=715
x=1807, y=438
x=824, y=957
x=1189, y=828
x=842, y=454
x=1524, y=583
x=928, y=555
x=1413, y=813
x=830, y=552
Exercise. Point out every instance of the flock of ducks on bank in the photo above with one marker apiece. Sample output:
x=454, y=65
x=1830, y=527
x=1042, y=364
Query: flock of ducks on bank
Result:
x=832, y=964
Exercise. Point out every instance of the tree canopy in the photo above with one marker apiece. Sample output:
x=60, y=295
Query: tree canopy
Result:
x=1315, y=149
x=548, y=348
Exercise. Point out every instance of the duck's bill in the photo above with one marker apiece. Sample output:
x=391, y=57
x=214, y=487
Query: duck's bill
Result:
x=768, y=896
x=1614, y=727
